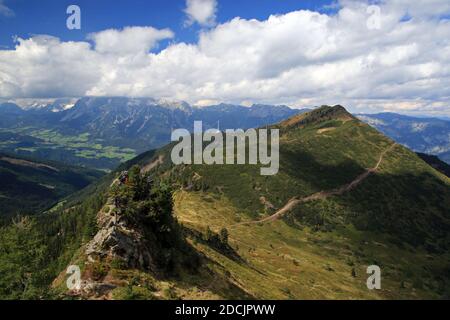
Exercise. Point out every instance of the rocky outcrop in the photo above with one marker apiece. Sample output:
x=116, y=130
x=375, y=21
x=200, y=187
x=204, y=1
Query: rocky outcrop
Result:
x=119, y=239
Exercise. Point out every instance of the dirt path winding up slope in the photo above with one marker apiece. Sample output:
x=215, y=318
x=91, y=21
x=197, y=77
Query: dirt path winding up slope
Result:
x=320, y=195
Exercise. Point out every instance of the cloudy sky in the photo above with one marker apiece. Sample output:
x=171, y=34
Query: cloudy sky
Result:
x=370, y=56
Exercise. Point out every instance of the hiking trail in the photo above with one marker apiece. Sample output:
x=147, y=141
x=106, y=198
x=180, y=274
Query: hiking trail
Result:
x=320, y=195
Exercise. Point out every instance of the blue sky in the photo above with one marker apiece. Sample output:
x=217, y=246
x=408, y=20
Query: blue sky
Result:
x=49, y=16
x=368, y=55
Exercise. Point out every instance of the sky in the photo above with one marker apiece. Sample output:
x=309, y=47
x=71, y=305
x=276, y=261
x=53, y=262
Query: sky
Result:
x=370, y=56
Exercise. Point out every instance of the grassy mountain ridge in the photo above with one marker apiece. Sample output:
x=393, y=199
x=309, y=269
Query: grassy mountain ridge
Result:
x=324, y=154
x=320, y=249
x=396, y=217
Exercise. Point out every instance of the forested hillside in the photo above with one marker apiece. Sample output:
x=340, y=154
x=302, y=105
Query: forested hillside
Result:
x=30, y=185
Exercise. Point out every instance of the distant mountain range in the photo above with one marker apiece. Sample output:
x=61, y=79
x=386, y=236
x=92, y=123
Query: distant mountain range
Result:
x=425, y=135
x=102, y=132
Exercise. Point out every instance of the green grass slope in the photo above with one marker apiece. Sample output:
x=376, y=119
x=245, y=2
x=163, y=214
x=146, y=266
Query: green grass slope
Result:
x=396, y=218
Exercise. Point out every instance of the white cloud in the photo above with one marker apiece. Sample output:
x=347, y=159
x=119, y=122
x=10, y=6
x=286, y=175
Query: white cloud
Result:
x=4, y=10
x=202, y=12
x=131, y=40
x=302, y=58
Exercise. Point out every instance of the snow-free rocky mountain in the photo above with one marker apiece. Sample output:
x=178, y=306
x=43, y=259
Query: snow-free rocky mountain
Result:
x=425, y=135
x=102, y=132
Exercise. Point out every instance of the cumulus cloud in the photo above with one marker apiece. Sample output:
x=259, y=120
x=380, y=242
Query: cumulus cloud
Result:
x=301, y=58
x=4, y=10
x=130, y=40
x=202, y=12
